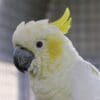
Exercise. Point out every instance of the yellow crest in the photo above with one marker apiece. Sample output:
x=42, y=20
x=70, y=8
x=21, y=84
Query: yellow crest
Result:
x=64, y=23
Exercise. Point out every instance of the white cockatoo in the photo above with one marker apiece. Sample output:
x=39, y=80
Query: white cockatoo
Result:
x=56, y=71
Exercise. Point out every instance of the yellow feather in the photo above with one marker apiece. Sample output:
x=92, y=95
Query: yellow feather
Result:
x=55, y=47
x=64, y=23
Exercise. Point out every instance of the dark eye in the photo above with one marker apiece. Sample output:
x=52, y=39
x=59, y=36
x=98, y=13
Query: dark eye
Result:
x=39, y=44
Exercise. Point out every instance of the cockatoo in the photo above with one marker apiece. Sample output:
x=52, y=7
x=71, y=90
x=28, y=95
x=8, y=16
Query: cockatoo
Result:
x=56, y=70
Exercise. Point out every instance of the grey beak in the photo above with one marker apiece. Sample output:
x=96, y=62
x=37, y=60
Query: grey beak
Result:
x=22, y=59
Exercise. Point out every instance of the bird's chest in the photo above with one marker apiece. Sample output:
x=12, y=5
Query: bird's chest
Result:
x=54, y=88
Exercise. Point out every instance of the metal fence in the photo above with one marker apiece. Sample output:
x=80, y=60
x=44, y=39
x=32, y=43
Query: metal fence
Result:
x=85, y=31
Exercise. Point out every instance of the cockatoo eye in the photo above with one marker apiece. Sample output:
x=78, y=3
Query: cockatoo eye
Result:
x=39, y=44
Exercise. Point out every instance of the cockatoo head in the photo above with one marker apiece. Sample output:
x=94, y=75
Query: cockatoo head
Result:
x=39, y=45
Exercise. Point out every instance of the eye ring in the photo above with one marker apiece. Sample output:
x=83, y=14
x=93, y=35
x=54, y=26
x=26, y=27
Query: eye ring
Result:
x=39, y=44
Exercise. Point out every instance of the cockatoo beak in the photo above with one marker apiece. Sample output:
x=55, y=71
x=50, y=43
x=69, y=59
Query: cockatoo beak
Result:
x=22, y=59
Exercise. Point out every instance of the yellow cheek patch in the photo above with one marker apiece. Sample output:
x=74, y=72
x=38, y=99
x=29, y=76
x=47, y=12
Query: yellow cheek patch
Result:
x=55, y=47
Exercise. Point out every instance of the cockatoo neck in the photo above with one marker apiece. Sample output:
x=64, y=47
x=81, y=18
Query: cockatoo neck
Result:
x=70, y=55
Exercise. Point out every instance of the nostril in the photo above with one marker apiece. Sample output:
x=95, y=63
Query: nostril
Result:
x=22, y=48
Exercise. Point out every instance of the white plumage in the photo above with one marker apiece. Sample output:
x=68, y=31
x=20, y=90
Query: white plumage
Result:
x=57, y=72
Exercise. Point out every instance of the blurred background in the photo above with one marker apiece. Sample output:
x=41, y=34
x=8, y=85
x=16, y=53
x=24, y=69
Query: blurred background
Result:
x=85, y=35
